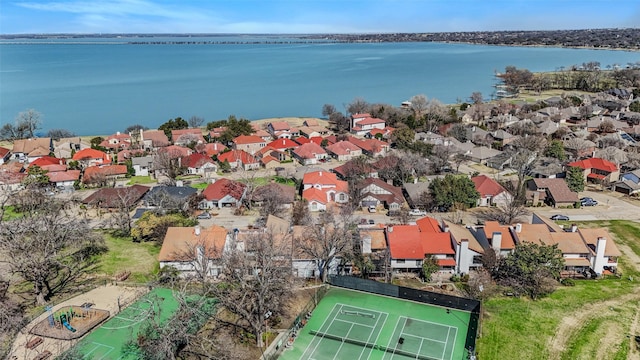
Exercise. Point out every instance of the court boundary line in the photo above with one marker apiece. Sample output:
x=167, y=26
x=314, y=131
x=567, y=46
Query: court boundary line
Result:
x=442, y=357
x=147, y=313
x=97, y=346
x=340, y=309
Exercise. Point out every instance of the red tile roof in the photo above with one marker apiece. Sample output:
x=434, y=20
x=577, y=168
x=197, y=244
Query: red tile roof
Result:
x=343, y=148
x=88, y=154
x=370, y=121
x=196, y=160
x=283, y=143
x=60, y=176
x=214, y=148
x=309, y=151
x=429, y=225
x=314, y=194
x=507, y=240
x=176, y=151
x=447, y=262
x=248, y=139
x=486, y=186
x=3, y=152
x=594, y=163
x=237, y=155
x=46, y=160
x=416, y=241
x=109, y=170
x=222, y=188
x=320, y=177
x=280, y=125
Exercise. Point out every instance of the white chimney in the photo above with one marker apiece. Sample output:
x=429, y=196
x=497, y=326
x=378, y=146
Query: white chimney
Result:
x=197, y=230
x=599, y=261
x=320, y=173
x=390, y=229
x=574, y=227
x=518, y=228
x=446, y=228
x=464, y=259
x=496, y=241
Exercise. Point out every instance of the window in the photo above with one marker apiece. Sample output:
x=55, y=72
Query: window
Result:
x=342, y=197
x=400, y=261
x=418, y=262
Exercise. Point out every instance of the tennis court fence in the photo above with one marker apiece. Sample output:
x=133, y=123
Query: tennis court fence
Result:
x=297, y=323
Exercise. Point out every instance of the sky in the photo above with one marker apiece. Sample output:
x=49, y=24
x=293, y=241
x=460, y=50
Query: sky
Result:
x=311, y=16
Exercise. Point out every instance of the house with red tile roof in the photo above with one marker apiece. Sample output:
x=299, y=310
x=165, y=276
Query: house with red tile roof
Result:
x=216, y=132
x=344, y=150
x=321, y=188
x=175, y=151
x=213, y=149
x=194, y=251
x=223, y=192
x=153, y=139
x=91, y=157
x=371, y=147
x=491, y=192
x=263, y=134
x=283, y=144
x=597, y=169
x=117, y=141
x=310, y=154
x=301, y=140
x=410, y=244
x=48, y=161
x=496, y=236
x=63, y=179
x=380, y=133
x=199, y=164
x=5, y=154
x=276, y=126
x=361, y=124
x=239, y=159
x=376, y=192
x=11, y=180
x=184, y=137
x=249, y=143
x=101, y=175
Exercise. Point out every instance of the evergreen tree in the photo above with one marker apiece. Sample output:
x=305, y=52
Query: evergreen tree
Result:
x=575, y=179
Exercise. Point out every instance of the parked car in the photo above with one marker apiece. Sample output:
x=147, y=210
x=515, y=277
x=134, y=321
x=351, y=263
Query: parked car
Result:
x=372, y=209
x=371, y=222
x=560, y=217
x=204, y=215
x=417, y=212
x=589, y=203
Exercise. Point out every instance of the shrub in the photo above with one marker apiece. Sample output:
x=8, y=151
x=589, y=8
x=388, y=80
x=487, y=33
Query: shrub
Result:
x=568, y=282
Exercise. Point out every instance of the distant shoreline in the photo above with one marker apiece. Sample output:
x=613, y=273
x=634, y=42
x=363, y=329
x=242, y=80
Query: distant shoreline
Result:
x=624, y=39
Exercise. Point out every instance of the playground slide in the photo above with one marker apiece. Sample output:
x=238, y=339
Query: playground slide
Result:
x=66, y=324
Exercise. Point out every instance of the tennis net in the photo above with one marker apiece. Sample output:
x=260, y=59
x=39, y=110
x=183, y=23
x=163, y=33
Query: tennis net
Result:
x=371, y=345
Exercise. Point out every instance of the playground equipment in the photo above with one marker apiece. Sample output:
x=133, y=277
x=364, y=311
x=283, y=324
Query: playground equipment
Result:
x=63, y=320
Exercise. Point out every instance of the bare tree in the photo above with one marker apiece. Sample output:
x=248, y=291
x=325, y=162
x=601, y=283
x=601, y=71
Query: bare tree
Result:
x=125, y=200
x=168, y=164
x=272, y=198
x=48, y=248
x=439, y=161
x=27, y=122
x=577, y=145
x=257, y=280
x=476, y=97
x=508, y=212
x=357, y=106
x=328, y=109
x=11, y=317
x=419, y=105
x=328, y=240
x=195, y=121
x=57, y=134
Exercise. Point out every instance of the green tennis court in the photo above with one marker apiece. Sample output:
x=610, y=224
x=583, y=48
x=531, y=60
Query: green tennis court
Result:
x=352, y=325
x=106, y=341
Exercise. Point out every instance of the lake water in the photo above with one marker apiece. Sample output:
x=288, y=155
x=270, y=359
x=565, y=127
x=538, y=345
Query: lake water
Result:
x=100, y=86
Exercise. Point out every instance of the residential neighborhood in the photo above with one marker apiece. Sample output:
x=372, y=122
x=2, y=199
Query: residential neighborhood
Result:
x=377, y=200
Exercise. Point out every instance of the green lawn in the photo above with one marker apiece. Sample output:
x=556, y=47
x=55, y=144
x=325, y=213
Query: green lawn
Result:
x=199, y=186
x=134, y=180
x=125, y=255
x=10, y=213
x=519, y=328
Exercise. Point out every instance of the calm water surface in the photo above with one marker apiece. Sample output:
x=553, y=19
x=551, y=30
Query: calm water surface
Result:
x=104, y=85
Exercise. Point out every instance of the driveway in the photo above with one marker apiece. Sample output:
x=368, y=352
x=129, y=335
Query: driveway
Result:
x=611, y=206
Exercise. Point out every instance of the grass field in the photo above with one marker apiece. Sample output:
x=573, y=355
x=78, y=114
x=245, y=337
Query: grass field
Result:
x=106, y=342
x=141, y=180
x=354, y=325
x=126, y=255
x=591, y=320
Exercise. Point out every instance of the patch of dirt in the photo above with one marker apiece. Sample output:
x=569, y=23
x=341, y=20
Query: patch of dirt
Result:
x=573, y=322
x=609, y=338
x=634, y=259
x=634, y=329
